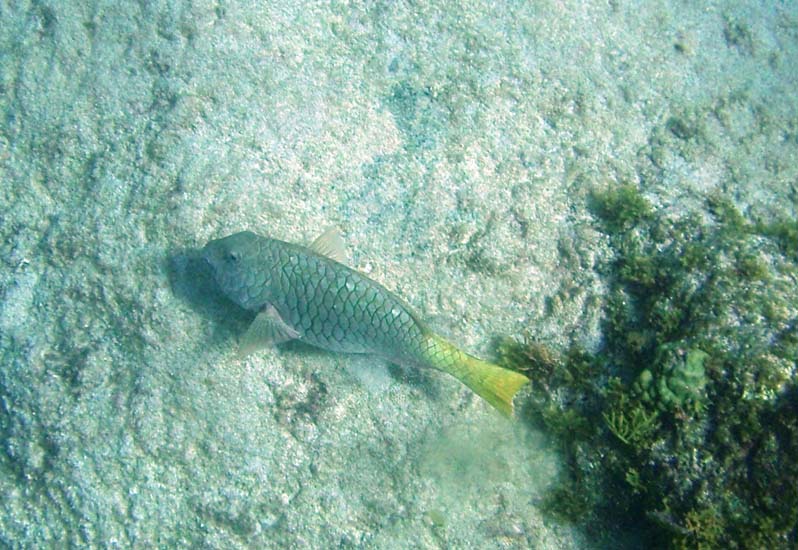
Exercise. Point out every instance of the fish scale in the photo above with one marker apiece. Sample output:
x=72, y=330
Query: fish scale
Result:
x=300, y=292
x=334, y=305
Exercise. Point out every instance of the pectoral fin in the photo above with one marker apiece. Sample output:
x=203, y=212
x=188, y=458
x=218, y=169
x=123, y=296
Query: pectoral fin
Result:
x=266, y=330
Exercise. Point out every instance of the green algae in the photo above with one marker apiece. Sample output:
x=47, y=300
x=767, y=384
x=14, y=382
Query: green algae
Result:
x=549, y=373
x=678, y=381
x=696, y=382
x=621, y=208
x=630, y=421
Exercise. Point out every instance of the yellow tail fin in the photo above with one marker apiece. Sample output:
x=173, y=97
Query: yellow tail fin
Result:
x=494, y=384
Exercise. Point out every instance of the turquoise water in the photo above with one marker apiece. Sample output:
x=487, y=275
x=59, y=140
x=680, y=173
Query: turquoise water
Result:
x=456, y=148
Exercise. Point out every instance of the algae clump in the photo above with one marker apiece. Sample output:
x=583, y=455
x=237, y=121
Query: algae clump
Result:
x=679, y=382
x=696, y=383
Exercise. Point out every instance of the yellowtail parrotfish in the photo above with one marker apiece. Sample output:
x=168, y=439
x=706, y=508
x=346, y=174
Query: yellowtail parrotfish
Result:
x=306, y=293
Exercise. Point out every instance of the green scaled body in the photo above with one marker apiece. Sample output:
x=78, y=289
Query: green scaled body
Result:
x=305, y=293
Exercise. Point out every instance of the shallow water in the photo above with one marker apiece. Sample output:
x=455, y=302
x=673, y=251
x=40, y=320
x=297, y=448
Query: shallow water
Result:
x=455, y=148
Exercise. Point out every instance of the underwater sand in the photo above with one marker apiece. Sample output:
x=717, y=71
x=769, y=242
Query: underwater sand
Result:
x=454, y=146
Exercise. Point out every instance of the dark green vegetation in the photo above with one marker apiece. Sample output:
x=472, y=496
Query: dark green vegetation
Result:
x=686, y=423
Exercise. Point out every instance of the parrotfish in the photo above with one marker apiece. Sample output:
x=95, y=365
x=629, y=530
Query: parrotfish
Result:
x=306, y=293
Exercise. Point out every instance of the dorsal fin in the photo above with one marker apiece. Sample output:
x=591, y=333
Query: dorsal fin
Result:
x=330, y=244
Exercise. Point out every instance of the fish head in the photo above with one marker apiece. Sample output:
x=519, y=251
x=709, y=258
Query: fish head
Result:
x=234, y=262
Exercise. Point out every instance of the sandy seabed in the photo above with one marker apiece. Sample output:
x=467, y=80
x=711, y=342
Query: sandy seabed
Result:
x=454, y=146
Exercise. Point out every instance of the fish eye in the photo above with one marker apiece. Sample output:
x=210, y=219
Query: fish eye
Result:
x=233, y=256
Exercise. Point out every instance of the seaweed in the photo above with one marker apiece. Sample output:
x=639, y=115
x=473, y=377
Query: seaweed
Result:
x=549, y=373
x=695, y=383
x=631, y=422
x=621, y=207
